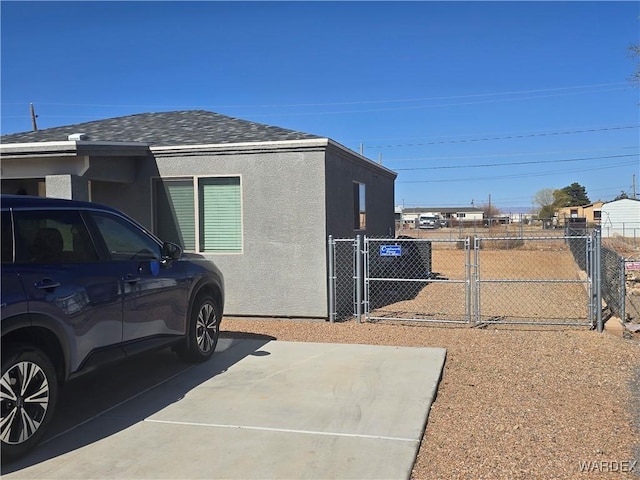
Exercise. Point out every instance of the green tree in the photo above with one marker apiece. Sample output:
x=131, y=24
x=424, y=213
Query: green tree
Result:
x=574, y=196
x=561, y=199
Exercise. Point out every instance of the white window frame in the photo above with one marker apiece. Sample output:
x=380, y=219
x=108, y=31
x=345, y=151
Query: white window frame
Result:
x=196, y=210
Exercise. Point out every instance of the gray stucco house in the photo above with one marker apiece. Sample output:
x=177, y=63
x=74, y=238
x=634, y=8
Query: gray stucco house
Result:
x=259, y=200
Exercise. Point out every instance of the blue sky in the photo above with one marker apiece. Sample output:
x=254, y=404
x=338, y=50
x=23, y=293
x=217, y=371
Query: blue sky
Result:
x=464, y=100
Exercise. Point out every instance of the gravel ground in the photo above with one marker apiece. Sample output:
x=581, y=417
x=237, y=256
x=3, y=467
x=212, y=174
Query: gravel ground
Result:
x=513, y=402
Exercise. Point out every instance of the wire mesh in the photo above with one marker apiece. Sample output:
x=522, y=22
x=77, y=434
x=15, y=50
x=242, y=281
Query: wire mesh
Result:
x=344, y=278
x=533, y=280
x=612, y=281
x=546, y=280
x=631, y=303
x=419, y=280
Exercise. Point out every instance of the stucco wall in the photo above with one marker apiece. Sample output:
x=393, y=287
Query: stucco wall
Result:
x=133, y=198
x=282, y=268
x=344, y=168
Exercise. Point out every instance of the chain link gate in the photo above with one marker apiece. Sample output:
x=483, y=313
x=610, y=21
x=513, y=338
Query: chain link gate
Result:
x=405, y=281
x=534, y=281
x=473, y=281
x=345, y=272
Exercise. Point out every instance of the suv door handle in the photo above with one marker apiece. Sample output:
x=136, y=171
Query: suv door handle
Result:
x=130, y=279
x=47, y=284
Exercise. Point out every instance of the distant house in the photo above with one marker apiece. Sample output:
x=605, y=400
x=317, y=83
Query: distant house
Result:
x=621, y=218
x=453, y=215
x=590, y=214
x=259, y=200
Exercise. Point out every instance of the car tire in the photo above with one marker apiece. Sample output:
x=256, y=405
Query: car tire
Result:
x=203, y=330
x=27, y=400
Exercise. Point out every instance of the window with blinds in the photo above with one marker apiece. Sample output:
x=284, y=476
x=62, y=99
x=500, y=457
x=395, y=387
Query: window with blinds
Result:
x=216, y=226
x=175, y=212
x=220, y=215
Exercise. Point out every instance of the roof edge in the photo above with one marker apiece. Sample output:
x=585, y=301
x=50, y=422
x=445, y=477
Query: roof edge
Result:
x=363, y=158
x=311, y=142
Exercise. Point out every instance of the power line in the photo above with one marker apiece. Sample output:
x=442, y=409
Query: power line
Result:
x=329, y=104
x=526, y=175
x=610, y=191
x=419, y=107
x=531, y=162
x=507, y=137
x=510, y=154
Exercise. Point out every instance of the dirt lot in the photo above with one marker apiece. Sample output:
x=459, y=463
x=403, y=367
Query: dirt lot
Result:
x=538, y=284
x=513, y=402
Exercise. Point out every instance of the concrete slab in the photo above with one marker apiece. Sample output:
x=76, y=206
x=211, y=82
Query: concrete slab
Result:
x=258, y=409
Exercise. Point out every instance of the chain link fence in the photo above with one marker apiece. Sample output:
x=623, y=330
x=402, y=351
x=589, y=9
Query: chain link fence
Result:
x=613, y=282
x=620, y=281
x=545, y=280
x=631, y=304
x=533, y=280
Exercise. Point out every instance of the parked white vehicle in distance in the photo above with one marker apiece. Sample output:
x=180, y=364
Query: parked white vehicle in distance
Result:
x=429, y=220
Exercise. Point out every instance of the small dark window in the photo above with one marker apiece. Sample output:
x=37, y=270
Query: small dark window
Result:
x=52, y=236
x=359, y=206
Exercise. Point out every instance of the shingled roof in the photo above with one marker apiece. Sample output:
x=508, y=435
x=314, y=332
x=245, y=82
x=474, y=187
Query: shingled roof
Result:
x=189, y=127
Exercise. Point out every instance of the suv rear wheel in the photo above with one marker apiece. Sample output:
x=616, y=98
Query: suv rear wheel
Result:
x=28, y=396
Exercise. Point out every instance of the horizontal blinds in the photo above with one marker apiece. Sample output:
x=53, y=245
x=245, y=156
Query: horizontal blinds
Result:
x=175, y=212
x=220, y=214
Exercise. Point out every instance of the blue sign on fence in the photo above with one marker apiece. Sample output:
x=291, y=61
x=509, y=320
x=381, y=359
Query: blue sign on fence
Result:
x=390, y=250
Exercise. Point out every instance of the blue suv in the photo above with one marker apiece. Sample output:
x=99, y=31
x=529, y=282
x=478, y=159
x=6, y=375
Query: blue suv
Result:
x=83, y=285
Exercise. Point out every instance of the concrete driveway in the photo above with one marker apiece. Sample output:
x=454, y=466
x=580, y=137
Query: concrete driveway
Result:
x=259, y=409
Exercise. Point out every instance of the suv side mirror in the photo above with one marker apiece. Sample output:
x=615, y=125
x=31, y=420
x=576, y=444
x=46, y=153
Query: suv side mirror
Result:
x=171, y=251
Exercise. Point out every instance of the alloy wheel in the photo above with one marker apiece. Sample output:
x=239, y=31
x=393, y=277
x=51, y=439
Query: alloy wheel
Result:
x=206, y=328
x=24, y=400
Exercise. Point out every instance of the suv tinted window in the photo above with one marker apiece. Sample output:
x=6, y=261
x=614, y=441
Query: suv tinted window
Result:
x=52, y=236
x=124, y=241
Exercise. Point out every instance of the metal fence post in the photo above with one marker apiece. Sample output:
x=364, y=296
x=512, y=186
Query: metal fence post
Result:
x=597, y=244
x=358, y=278
x=476, y=276
x=591, y=259
x=332, y=279
x=623, y=289
x=468, y=278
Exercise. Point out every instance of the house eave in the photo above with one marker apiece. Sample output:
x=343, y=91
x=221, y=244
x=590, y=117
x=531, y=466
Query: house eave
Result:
x=72, y=149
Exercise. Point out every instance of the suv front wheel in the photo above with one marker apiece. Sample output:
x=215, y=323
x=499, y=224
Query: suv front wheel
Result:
x=203, y=330
x=29, y=390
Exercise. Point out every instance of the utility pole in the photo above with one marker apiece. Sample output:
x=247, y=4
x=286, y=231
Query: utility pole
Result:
x=33, y=118
x=633, y=191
